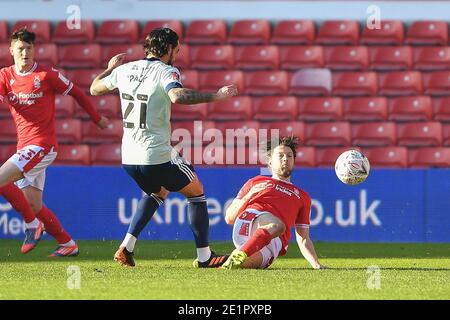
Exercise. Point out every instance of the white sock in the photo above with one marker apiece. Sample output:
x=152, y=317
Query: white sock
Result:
x=68, y=244
x=129, y=242
x=203, y=254
x=33, y=224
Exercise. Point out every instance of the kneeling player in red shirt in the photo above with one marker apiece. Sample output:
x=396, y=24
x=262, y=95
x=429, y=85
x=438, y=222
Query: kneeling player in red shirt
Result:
x=266, y=209
x=29, y=89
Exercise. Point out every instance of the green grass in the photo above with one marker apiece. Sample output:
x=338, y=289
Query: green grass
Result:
x=164, y=271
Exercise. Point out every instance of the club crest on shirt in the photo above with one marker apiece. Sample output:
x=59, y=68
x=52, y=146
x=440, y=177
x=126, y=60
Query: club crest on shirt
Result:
x=37, y=82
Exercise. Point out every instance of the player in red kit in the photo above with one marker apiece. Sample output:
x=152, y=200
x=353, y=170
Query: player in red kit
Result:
x=266, y=209
x=30, y=90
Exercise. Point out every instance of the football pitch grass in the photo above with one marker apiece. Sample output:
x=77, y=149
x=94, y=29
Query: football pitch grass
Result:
x=164, y=271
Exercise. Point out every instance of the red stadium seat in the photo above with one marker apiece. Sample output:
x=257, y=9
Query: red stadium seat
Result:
x=306, y=157
x=374, y=134
x=400, y=83
x=239, y=132
x=6, y=59
x=6, y=151
x=338, y=32
x=441, y=108
x=189, y=112
x=64, y=106
x=190, y=79
x=294, y=32
x=4, y=32
x=83, y=77
x=183, y=59
x=320, y=109
x=212, y=57
x=285, y=128
x=106, y=155
x=391, y=58
x=188, y=132
x=46, y=54
x=107, y=105
x=355, y=83
x=432, y=58
x=328, y=134
x=427, y=33
x=437, y=83
x=429, y=157
x=133, y=51
x=175, y=25
x=257, y=57
x=387, y=157
x=415, y=108
x=80, y=56
x=298, y=57
x=311, y=82
x=390, y=32
x=206, y=32
x=68, y=130
x=73, y=155
x=41, y=28
x=446, y=135
x=275, y=108
x=237, y=108
x=326, y=157
x=118, y=31
x=213, y=80
x=84, y=34
x=365, y=109
x=266, y=83
x=250, y=32
x=7, y=131
x=4, y=110
x=419, y=134
x=93, y=134
x=347, y=57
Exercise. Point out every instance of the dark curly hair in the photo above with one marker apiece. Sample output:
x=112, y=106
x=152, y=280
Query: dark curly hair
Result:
x=23, y=35
x=158, y=41
x=291, y=142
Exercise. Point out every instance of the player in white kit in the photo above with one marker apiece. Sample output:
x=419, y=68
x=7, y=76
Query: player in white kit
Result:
x=147, y=89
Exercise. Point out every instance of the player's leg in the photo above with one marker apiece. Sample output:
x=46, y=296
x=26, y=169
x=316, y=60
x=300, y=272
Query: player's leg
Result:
x=264, y=228
x=52, y=225
x=33, y=227
x=145, y=210
x=9, y=172
x=181, y=177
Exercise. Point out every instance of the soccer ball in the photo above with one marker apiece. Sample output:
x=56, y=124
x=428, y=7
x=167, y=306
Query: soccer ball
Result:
x=352, y=167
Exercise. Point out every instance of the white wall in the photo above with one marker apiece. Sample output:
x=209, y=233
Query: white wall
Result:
x=55, y=10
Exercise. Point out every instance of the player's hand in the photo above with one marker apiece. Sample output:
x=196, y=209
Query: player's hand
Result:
x=226, y=92
x=320, y=267
x=103, y=123
x=116, y=61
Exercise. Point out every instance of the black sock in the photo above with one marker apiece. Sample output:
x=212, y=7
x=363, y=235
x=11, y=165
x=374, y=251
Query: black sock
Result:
x=144, y=212
x=199, y=220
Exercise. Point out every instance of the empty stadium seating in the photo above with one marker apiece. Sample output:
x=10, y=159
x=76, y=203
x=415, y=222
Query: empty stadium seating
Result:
x=383, y=89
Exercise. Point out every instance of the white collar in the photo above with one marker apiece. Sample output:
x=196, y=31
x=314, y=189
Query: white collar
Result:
x=26, y=73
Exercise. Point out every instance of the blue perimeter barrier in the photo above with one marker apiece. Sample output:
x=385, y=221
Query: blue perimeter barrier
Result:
x=392, y=205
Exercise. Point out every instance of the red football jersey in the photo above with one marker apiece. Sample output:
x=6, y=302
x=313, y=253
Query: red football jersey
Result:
x=284, y=200
x=31, y=99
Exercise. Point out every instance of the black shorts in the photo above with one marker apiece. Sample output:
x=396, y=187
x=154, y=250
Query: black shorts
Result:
x=173, y=175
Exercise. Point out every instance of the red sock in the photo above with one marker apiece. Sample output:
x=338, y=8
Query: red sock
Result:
x=257, y=241
x=18, y=201
x=53, y=226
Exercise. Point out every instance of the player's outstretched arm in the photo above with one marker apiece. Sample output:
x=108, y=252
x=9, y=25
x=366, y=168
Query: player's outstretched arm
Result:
x=190, y=96
x=101, y=121
x=238, y=205
x=307, y=247
x=98, y=88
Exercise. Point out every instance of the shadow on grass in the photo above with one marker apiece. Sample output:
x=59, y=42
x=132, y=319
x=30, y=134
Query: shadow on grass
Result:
x=167, y=250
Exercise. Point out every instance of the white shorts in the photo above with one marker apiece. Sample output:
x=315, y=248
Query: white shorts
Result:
x=32, y=161
x=241, y=233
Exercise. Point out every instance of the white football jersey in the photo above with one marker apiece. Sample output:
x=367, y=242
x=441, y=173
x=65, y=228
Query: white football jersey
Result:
x=143, y=87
